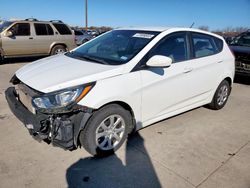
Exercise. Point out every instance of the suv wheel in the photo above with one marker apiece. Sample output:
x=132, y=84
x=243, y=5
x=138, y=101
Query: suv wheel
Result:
x=84, y=41
x=58, y=49
x=106, y=130
x=221, y=96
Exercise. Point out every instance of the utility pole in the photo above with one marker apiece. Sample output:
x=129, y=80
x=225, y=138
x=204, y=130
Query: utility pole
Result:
x=86, y=15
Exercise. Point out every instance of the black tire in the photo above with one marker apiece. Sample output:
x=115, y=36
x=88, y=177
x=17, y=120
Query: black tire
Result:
x=216, y=104
x=87, y=136
x=1, y=59
x=84, y=41
x=58, y=49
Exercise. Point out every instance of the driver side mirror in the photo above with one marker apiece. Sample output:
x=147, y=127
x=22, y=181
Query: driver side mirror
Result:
x=159, y=61
x=9, y=34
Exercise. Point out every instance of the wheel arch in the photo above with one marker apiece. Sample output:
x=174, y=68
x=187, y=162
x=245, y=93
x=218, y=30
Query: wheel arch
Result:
x=125, y=105
x=87, y=118
x=229, y=80
x=56, y=44
x=1, y=53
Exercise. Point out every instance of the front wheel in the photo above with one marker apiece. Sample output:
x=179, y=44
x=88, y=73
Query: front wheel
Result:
x=106, y=130
x=221, y=96
x=58, y=49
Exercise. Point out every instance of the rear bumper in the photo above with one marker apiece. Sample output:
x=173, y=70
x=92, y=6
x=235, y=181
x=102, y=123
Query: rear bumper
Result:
x=61, y=131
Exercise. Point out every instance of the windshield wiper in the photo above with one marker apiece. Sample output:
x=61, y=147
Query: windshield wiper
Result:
x=86, y=57
x=89, y=58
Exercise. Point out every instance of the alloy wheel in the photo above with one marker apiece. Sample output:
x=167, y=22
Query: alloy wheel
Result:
x=110, y=132
x=222, y=95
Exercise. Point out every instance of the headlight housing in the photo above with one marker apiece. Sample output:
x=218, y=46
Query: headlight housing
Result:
x=61, y=101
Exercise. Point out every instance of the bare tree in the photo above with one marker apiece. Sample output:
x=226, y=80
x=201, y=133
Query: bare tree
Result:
x=230, y=31
x=241, y=29
x=204, y=28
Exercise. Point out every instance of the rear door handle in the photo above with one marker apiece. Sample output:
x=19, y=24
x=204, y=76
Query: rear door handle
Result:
x=31, y=38
x=187, y=70
x=219, y=61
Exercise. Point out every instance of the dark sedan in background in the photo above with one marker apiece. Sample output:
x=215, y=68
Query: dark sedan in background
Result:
x=240, y=46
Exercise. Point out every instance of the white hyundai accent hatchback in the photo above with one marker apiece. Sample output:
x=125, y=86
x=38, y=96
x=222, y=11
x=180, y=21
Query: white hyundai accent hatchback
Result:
x=126, y=79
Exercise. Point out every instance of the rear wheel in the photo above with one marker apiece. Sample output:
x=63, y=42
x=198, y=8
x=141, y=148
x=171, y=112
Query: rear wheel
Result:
x=58, y=49
x=106, y=130
x=221, y=96
x=1, y=59
x=84, y=41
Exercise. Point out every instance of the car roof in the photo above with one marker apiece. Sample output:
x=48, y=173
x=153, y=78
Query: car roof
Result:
x=36, y=21
x=159, y=29
x=173, y=29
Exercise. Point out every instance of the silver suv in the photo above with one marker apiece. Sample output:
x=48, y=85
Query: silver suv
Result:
x=31, y=37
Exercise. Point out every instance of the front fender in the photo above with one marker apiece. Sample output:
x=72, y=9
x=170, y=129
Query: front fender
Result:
x=125, y=88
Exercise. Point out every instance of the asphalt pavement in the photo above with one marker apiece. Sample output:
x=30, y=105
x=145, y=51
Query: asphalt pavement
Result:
x=199, y=148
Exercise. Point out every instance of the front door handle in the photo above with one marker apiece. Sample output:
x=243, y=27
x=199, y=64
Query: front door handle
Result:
x=187, y=69
x=31, y=38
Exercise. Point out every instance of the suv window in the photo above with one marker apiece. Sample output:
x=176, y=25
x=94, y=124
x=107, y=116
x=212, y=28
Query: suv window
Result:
x=4, y=25
x=204, y=45
x=62, y=29
x=21, y=29
x=173, y=46
x=43, y=29
x=78, y=32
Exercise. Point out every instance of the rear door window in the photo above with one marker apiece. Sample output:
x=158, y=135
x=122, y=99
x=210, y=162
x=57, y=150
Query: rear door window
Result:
x=43, y=29
x=203, y=45
x=21, y=29
x=62, y=29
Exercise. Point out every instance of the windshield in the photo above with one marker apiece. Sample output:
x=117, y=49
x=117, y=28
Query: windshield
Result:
x=114, y=48
x=4, y=25
x=242, y=40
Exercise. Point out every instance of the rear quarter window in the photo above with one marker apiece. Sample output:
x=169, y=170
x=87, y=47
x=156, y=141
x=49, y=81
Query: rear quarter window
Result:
x=62, y=29
x=219, y=44
x=205, y=45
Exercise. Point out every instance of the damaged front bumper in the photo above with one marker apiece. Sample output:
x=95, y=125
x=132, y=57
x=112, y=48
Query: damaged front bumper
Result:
x=59, y=129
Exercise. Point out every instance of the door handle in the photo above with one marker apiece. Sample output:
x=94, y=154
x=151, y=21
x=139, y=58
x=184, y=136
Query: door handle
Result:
x=187, y=70
x=219, y=61
x=31, y=38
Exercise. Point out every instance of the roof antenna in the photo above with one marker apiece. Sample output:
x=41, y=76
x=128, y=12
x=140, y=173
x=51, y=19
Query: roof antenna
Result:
x=192, y=25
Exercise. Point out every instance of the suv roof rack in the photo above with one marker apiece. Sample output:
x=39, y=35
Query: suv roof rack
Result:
x=58, y=21
x=31, y=19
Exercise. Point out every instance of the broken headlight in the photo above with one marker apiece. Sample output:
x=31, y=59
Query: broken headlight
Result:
x=61, y=99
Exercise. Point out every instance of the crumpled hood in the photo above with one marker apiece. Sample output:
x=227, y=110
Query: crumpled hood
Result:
x=60, y=71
